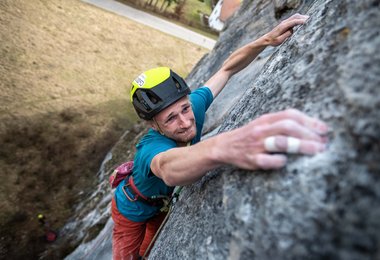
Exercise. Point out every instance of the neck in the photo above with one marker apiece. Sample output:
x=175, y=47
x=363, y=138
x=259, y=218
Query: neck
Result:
x=182, y=144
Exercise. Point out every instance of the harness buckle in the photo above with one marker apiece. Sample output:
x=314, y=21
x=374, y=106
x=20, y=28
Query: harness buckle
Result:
x=126, y=193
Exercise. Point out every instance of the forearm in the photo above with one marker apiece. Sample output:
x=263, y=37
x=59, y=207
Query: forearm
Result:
x=243, y=56
x=237, y=61
x=185, y=165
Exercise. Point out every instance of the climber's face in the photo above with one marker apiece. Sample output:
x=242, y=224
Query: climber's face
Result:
x=176, y=122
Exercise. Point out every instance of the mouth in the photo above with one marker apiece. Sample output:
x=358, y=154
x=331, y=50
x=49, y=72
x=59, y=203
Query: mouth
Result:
x=186, y=131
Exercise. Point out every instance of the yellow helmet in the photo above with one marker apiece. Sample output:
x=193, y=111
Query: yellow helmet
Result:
x=156, y=89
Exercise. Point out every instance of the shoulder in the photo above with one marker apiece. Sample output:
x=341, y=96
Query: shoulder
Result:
x=202, y=94
x=204, y=90
x=148, y=147
x=153, y=138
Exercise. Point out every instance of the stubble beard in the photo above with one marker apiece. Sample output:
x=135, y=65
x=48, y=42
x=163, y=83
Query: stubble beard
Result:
x=187, y=138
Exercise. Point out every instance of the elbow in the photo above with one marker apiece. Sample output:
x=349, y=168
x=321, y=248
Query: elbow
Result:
x=166, y=175
x=169, y=180
x=226, y=71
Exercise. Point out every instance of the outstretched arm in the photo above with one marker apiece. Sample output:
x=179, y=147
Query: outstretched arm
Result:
x=261, y=144
x=243, y=56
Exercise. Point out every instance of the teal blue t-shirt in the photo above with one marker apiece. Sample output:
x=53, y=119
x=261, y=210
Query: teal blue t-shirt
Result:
x=148, y=147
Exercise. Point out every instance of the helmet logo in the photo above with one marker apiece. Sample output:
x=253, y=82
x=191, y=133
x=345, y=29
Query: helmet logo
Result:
x=140, y=80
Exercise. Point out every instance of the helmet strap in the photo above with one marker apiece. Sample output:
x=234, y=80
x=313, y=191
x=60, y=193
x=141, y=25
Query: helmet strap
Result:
x=158, y=127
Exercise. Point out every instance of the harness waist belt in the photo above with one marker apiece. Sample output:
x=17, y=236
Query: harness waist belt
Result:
x=156, y=201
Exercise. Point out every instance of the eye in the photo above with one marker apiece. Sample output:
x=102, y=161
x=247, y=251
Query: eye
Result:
x=170, y=119
x=186, y=109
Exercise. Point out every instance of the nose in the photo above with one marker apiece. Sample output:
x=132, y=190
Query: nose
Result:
x=184, y=122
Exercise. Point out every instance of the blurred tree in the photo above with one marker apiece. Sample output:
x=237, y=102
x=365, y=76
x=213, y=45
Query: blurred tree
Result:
x=168, y=3
x=178, y=10
x=150, y=2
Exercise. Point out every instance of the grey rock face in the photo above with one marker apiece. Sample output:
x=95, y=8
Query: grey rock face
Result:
x=318, y=207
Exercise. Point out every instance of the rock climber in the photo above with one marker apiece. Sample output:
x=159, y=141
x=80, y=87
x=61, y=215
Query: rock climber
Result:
x=50, y=235
x=171, y=153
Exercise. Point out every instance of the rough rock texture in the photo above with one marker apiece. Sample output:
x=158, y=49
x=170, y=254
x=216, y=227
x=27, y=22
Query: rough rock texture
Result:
x=319, y=207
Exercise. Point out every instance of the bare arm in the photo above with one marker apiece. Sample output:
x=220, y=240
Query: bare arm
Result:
x=243, y=56
x=246, y=147
x=185, y=165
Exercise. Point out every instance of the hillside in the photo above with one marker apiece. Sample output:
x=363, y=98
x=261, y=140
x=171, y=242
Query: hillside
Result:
x=65, y=71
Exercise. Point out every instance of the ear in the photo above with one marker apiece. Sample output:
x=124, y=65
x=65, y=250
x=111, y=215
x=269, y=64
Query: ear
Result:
x=152, y=124
x=155, y=126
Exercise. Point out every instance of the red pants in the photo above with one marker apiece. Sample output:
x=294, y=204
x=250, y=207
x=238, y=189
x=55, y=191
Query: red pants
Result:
x=131, y=239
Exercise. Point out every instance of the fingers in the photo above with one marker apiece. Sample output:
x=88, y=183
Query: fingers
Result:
x=282, y=37
x=288, y=24
x=265, y=141
x=287, y=127
x=284, y=30
x=289, y=131
x=298, y=17
x=310, y=123
x=270, y=161
x=292, y=145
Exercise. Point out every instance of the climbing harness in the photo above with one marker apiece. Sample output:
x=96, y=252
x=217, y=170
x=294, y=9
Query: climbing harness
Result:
x=133, y=194
x=157, y=200
x=124, y=171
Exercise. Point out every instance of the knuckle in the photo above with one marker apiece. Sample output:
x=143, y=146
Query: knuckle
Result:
x=290, y=112
x=257, y=132
x=288, y=124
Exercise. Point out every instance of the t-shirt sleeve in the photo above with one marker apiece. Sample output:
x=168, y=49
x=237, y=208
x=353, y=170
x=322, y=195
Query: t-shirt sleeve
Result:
x=147, y=149
x=201, y=100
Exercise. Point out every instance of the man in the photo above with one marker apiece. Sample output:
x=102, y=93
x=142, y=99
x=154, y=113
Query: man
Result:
x=171, y=153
